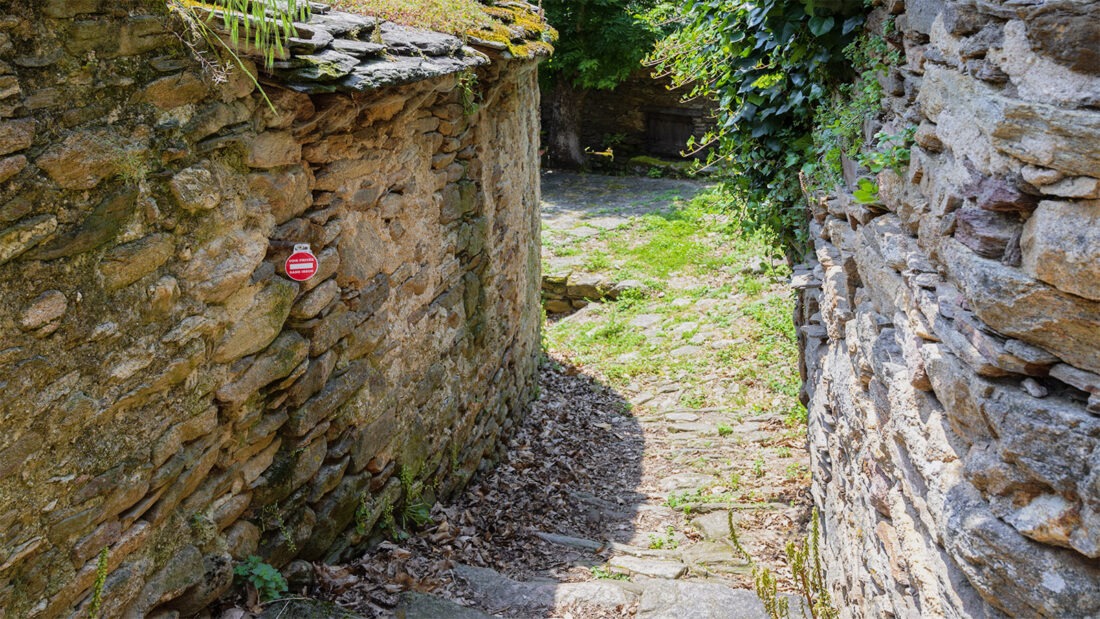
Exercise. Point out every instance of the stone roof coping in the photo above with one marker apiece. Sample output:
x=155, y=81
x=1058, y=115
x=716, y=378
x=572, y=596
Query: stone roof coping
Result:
x=337, y=51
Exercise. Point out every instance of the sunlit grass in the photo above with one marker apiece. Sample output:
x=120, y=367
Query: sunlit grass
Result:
x=451, y=16
x=693, y=253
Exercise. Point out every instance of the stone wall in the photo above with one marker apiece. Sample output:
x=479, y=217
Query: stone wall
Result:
x=170, y=400
x=951, y=334
x=618, y=118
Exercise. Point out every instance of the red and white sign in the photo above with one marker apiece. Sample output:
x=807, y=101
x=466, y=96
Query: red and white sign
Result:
x=302, y=264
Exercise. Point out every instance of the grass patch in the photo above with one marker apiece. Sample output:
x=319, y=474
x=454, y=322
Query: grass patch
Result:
x=451, y=16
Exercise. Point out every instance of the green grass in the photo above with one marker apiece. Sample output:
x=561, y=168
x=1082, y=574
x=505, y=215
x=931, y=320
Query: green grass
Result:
x=451, y=16
x=695, y=251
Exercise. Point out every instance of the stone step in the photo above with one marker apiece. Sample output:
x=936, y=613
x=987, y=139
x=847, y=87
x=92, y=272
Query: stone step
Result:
x=654, y=568
x=672, y=599
x=497, y=593
x=415, y=605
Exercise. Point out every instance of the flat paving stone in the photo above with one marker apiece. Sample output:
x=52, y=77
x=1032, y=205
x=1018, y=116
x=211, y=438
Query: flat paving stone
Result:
x=684, y=481
x=713, y=525
x=654, y=568
x=690, y=427
x=664, y=599
x=684, y=417
x=415, y=605
x=644, y=321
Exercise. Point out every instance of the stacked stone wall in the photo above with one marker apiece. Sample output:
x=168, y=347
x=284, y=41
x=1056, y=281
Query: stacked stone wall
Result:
x=951, y=334
x=169, y=399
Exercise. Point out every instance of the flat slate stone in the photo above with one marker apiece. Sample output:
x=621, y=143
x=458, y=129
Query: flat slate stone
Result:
x=411, y=41
x=666, y=599
x=415, y=605
x=685, y=417
x=654, y=568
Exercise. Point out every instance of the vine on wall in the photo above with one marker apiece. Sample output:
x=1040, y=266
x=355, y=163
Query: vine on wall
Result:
x=778, y=69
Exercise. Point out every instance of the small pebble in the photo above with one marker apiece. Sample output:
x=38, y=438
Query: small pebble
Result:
x=1033, y=388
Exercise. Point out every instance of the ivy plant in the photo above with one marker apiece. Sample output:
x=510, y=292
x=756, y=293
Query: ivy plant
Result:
x=769, y=66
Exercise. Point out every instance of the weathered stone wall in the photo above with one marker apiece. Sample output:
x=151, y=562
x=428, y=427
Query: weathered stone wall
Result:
x=952, y=335
x=167, y=396
x=618, y=118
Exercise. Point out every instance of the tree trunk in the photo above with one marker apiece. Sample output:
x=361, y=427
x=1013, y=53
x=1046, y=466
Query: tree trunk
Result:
x=564, y=126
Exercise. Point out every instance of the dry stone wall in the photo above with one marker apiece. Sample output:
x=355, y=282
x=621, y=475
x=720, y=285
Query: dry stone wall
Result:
x=951, y=334
x=170, y=401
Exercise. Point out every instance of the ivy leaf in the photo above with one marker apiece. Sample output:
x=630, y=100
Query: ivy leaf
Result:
x=851, y=24
x=821, y=25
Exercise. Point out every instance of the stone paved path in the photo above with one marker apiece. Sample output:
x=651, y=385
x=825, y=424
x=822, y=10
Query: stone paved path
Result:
x=710, y=461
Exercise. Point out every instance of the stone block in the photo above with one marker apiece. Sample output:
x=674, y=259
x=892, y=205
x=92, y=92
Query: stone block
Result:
x=1061, y=246
x=987, y=233
x=16, y=135
x=260, y=324
x=128, y=263
x=1018, y=306
x=10, y=166
x=336, y=392
x=85, y=158
x=1045, y=135
x=101, y=226
x=275, y=362
x=195, y=189
x=17, y=239
x=219, y=268
x=46, y=308
x=1045, y=581
x=173, y=91
x=273, y=149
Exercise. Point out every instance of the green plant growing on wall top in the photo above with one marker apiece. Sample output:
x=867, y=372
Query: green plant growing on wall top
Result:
x=265, y=26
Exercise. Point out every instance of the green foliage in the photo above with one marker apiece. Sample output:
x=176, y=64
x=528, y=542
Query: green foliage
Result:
x=267, y=580
x=601, y=41
x=270, y=517
x=866, y=192
x=839, y=120
x=100, y=581
x=417, y=511
x=758, y=466
x=662, y=541
x=362, y=512
x=891, y=151
x=724, y=429
x=265, y=25
x=768, y=65
x=603, y=573
x=468, y=95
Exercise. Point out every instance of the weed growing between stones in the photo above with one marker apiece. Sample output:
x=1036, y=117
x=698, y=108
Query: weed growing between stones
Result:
x=666, y=541
x=270, y=513
x=100, y=581
x=267, y=580
x=468, y=95
x=602, y=573
x=806, y=569
x=416, y=511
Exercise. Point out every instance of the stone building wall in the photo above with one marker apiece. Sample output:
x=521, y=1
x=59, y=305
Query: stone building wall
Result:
x=169, y=399
x=620, y=118
x=951, y=335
